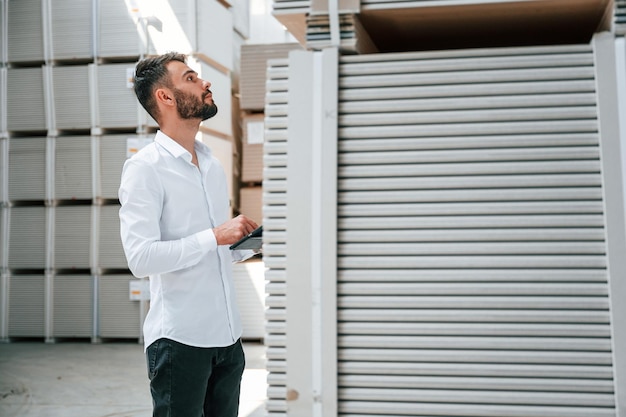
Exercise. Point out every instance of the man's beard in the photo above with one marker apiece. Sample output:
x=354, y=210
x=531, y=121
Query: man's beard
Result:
x=190, y=107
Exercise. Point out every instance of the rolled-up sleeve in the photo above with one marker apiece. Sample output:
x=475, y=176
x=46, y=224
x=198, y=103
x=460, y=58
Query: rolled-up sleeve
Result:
x=141, y=197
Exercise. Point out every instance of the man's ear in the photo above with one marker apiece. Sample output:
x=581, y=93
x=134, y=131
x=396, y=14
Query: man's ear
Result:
x=164, y=96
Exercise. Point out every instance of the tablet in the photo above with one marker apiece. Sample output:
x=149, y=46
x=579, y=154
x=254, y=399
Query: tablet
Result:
x=253, y=240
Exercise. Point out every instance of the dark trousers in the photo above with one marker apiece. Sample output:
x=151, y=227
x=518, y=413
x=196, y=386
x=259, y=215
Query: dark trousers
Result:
x=187, y=381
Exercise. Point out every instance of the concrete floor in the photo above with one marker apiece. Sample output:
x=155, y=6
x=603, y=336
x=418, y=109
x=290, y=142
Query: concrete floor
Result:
x=97, y=380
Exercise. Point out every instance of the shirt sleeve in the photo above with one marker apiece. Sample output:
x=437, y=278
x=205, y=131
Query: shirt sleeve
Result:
x=141, y=196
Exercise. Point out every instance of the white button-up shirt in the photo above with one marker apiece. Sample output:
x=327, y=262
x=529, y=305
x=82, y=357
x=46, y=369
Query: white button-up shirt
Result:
x=169, y=207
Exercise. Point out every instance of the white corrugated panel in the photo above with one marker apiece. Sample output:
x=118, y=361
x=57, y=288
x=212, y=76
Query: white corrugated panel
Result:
x=291, y=6
x=72, y=232
x=72, y=310
x=112, y=155
x=25, y=31
x=249, y=280
x=3, y=93
x=118, y=316
x=620, y=17
x=274, y=231
x=27, y=237
x=4, y=221
x=117, y=103
x=118, y=33
x=221, y=89
x=27, y=169
x=71, y=97
x=110, y=250
x=472, y=268
x=72, y=169
x=27, y=305
x=254, y=60
x=26, y=110
x=71, y=29
x=215, y=21
x=4, y=170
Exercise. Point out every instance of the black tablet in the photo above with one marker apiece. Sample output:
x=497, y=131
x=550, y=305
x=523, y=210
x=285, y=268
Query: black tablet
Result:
x=253, y=240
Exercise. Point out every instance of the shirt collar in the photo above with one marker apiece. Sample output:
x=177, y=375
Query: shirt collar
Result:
x=176, y=150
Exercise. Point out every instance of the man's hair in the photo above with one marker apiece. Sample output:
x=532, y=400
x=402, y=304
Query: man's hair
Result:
x=150, y=74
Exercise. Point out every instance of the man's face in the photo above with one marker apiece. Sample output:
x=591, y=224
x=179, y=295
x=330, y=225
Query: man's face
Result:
x=191, y=107
x=193, y=98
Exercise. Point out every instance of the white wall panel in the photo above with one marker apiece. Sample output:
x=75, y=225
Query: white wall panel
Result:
x=27, y=169
x=470, y=222
x=72, y=237
x=119, y=317
x=72, y=168
x=4, y=223
x=71, y=97
x=26, y=306
x=117, y=103
x=26, y=109
x=72, y=27
x=72, y=310
x=215, y=21
x=274, y=233
x=25, y=31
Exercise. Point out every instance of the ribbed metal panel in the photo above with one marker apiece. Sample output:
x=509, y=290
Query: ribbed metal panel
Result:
x=110, y=251
x=274, y=231
x=117, y=103
x=27, y=169
x=254, y=60
x=72, y=311
x=27, y=237
x=27, y=300
x=118, y=33
x=118, y=317
x=71, y=29
x=249, y=280
x=72, y=231
x=72, y=169
x=112, y=155
x=71, y=97
x=472, y=261
x=620, y=17
x=25, y=31
x=26, y=110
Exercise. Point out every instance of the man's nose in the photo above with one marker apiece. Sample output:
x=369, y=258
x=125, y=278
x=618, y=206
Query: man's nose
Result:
x=206, y=85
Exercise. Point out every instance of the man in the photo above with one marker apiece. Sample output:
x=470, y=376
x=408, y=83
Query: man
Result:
x=175, y=228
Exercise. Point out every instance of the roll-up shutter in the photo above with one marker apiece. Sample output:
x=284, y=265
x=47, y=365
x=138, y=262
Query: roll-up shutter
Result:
x=72, y=169
x=274, y=231
x=471, y=253
x=72, y=314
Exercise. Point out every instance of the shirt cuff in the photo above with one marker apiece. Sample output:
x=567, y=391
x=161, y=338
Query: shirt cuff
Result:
x=206, y=240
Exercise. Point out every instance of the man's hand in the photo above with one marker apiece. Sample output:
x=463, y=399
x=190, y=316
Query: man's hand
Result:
x=233, y=230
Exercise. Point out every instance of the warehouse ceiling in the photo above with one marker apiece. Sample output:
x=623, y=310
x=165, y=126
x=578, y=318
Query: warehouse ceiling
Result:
x=529, y=22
